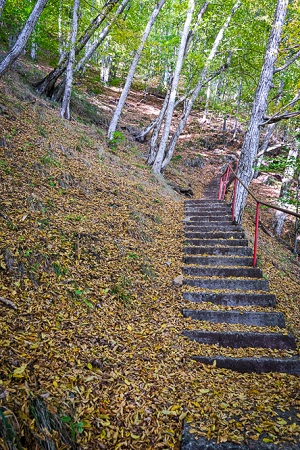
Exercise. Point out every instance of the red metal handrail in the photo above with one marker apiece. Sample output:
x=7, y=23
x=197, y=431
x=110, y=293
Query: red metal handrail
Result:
x=222, y=191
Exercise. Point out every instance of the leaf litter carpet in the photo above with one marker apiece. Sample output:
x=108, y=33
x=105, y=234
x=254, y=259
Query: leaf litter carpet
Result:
x=89, y=248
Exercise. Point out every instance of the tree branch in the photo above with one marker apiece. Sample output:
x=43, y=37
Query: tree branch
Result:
x=288, y=63
x=8, y=303
x=278, y=118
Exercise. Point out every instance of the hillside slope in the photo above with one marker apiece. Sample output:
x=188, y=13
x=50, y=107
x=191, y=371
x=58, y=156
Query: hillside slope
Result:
x=91, y=241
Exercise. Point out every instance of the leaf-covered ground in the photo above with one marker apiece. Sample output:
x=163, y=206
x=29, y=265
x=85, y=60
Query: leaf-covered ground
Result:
x=90, y=243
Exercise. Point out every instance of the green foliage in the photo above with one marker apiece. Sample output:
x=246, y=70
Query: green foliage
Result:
x=118, y=138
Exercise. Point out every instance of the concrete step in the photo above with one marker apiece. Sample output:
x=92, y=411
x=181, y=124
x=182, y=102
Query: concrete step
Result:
x=221, y=261
x=197, y=250
x=218, y=242
x=211, y=227
x=259, y=319
x=234, y=284
x=205, y=201
x=232, y=299
x=256, y=365
x=243, y=339
x=208, y=213
x=251, y=272
x=211, y=207
x=215, y=235
x=216, y=218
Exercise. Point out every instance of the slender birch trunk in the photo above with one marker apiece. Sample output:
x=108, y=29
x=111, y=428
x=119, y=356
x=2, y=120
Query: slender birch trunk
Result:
x=23, y=37
x=168, y=153
x=93, y=47
x=157, y=123
x=237, y=110
x=288, y=176
x=65, y=108
x=57, y=91
x=208, y=93
x=138, y=53
x=156, y=130
x=269, y=133
x=251, y=141
x=2, y=3
x=173, y=91
x=47, y=84
x=263, y=148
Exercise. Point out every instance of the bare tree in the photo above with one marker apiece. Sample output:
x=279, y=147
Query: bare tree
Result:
x=251, y=141
x=65, y=108
x=23, y=37
x=136, y=58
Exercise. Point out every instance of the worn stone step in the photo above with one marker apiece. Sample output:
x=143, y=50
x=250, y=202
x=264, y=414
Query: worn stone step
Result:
x=197, y=250
x=191, y=441
x=210, y=207
x=243, y=339
x=234, y=284
x=218, y=242
x=208, y=213
x=211, y=227
x=242, y=272
x=256, y=365
x=259, y=319
x=222, y=261
x=214, y=235
x=232, y=299
x=216, y=218
x=204, y=201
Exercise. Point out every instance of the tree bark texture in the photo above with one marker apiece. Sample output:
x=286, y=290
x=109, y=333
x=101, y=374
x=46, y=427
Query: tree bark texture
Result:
x=251, y=141
x=65, y=108
x=47, y=84
x=202, y=80
x=2, y=2
x=136, y=58
x=157, y=165
x=23, y=37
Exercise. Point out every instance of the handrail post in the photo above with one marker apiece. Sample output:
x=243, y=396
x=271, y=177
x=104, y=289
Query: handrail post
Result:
x=256, y=234
x=220, y=188
x=234, y=198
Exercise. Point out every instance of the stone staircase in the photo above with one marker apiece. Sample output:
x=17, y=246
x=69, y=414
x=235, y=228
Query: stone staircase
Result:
x=218, y=267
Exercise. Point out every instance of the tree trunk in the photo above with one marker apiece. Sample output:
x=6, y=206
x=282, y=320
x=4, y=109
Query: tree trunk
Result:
x=2, y=2
x=237, y=110
x=270, y=130
x=263, y=148
x=208, y=92
x=173, y=92
x=202, y=79
x=65, y=108
x=47, y=84
x=289, y=172
x=138, y=53
x=93, y=47
x=23, y=37
x=157, y=123
x=251, y=141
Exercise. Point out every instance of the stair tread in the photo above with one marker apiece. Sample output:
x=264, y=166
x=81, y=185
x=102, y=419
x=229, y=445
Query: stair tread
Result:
x=240, y=339
x=256, y=318
x=253, y=364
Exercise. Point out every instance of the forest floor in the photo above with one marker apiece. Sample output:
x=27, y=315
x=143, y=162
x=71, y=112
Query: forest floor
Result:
x=90, y=243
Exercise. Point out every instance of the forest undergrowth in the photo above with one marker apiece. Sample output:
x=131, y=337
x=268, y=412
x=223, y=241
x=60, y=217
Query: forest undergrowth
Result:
x=92, y=355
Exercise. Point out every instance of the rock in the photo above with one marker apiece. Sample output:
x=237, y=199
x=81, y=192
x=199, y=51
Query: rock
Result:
x=178, y=281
